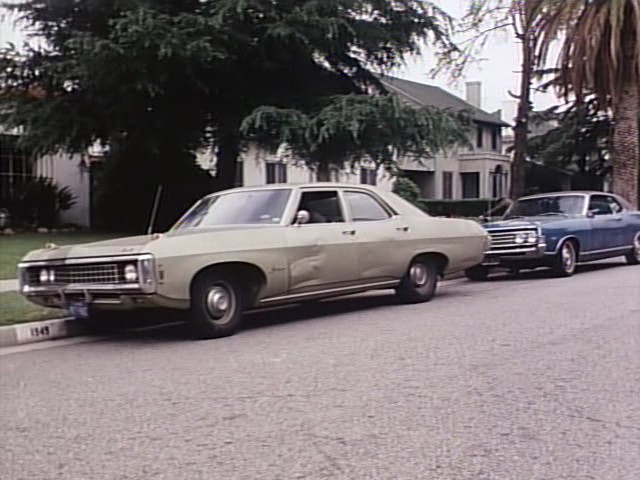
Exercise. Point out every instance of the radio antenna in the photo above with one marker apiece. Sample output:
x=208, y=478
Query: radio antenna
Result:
x=154, y=210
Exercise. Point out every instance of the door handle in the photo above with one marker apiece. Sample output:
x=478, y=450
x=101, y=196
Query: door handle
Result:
x=402, y=229
x=348, y=232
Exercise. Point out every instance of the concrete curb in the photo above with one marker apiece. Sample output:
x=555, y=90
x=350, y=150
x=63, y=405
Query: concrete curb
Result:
x=33, y=332
x=42, y=331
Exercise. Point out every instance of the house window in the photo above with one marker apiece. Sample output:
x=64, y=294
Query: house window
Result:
x=368, y=176
x=495, y=139
x=497, y=182
x=479, y=135
x=16, y=167
x=276, y=172
x=447, y=185
x=470, y=185
x=239, y=181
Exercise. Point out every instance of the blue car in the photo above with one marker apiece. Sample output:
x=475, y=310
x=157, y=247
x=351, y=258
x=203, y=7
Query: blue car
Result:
x=559, y=230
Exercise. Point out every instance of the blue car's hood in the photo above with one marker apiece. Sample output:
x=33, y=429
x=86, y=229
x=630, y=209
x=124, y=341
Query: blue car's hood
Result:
x=526, y=221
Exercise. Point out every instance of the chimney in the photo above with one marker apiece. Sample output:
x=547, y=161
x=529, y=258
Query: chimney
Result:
x=474, y=94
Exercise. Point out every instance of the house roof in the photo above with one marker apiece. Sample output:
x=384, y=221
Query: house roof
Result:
x=429, y=95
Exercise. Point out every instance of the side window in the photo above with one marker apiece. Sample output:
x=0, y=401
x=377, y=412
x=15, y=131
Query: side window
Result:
x=614, y=205
x=365, y=208
x=323, y=206
x=599, y=205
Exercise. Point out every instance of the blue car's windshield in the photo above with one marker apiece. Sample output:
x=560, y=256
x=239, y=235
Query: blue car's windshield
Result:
x=551, y=205
x=237, y=208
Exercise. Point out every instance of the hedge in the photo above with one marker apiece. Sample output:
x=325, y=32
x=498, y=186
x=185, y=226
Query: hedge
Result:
x=457, y=208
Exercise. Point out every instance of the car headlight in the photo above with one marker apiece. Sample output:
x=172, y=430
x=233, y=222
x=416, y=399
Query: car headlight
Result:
x=520, y=238
x=131, y=273
x=47, y=276
x=532, y=237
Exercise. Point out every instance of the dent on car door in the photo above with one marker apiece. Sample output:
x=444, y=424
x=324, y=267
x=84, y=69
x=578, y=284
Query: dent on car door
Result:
x=382, y=239
x=320, y=252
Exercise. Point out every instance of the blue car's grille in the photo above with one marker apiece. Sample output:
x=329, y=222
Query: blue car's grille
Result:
x=502, y=240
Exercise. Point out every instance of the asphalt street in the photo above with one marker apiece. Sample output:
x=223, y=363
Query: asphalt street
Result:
x=517, y=378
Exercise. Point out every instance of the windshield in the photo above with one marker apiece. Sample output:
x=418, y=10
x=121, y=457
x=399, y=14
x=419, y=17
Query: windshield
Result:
x=237, y=208
x=551, y=205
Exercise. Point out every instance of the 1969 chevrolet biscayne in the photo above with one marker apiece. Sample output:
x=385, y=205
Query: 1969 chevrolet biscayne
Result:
x=255, y=247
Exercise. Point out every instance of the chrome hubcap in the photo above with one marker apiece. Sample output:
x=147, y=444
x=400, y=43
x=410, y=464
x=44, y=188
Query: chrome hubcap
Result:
x=418, y=275
x=219, y=303
x=567, y=257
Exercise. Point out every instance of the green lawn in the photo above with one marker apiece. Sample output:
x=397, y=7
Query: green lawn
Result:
x=14, y=247
x=14, y=308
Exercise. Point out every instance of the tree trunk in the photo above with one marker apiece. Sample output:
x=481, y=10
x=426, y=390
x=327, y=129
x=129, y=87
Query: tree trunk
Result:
x=324, y=172
x=521, y=128
x=227, y=157
x=626, y=137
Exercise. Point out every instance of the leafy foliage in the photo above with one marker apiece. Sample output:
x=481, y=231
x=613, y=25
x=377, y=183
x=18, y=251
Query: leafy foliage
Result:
x=38, y=202
x=352, y=128
x=185, y=74
x=601, y=55
x=407, y=189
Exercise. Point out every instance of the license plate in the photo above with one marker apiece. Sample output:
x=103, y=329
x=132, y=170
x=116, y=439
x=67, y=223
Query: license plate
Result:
x=78, y=309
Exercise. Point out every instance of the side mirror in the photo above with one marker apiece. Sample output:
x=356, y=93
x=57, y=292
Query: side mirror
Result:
x=593, y=212
x=302, y=217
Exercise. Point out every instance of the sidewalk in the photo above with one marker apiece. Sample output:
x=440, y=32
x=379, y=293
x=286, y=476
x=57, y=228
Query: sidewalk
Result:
x=8, y=286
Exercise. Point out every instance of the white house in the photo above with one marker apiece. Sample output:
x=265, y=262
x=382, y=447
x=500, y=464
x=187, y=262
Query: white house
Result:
x=479, y=171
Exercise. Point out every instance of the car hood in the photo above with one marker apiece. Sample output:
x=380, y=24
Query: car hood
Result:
x=127, y=245
x=525, y=222
x=105, y=248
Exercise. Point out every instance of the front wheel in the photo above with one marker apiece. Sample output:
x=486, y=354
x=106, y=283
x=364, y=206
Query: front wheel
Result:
x=216, y=306
x=633, y=256
x=420, y=282
x=477, y=274
x=564, y=264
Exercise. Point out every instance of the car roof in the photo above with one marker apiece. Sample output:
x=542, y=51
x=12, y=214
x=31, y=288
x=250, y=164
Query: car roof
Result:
x=279, y=186
x=566, y=192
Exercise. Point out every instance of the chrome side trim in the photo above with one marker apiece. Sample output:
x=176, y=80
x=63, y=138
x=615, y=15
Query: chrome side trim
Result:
x=594, y=252
x=331, y=291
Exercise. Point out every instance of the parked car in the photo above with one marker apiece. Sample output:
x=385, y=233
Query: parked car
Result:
x=559, y=230
x=255, y=247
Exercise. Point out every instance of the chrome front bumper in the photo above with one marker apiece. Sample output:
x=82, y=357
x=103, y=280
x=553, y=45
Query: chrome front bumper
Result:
x=515, y=255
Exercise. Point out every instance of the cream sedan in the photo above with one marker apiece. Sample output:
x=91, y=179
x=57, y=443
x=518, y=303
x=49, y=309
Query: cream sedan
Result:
x=255, y=247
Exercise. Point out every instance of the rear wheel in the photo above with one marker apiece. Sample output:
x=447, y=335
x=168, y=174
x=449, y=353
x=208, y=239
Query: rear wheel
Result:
x=477, y=274
x=420, y=282
x=216, y=306
x=564, y=264
x=633, y=256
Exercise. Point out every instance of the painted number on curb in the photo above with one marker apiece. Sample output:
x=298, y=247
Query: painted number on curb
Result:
x=42, y=331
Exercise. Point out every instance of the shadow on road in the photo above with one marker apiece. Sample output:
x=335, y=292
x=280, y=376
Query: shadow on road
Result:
x=172, y=329
x=547, y=273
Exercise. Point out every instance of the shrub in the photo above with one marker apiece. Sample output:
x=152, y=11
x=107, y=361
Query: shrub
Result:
x=38, y=202
x=407, y=189
x=457, y=208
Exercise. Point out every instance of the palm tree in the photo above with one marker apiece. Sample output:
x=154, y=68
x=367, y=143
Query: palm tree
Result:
x=601, y=54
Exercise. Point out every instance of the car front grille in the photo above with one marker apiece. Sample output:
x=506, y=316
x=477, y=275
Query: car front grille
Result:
x=91, y=274
x=506, y=240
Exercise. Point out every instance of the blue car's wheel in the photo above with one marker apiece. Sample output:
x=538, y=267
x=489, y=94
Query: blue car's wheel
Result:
x=633, y=257
x=564, y=264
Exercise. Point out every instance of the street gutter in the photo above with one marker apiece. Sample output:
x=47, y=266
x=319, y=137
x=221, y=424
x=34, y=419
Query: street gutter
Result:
x=47, y=330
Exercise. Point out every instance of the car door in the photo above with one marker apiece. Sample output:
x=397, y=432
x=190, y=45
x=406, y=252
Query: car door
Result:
x=607, y=223
x=381, y=237
x=321, y=252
